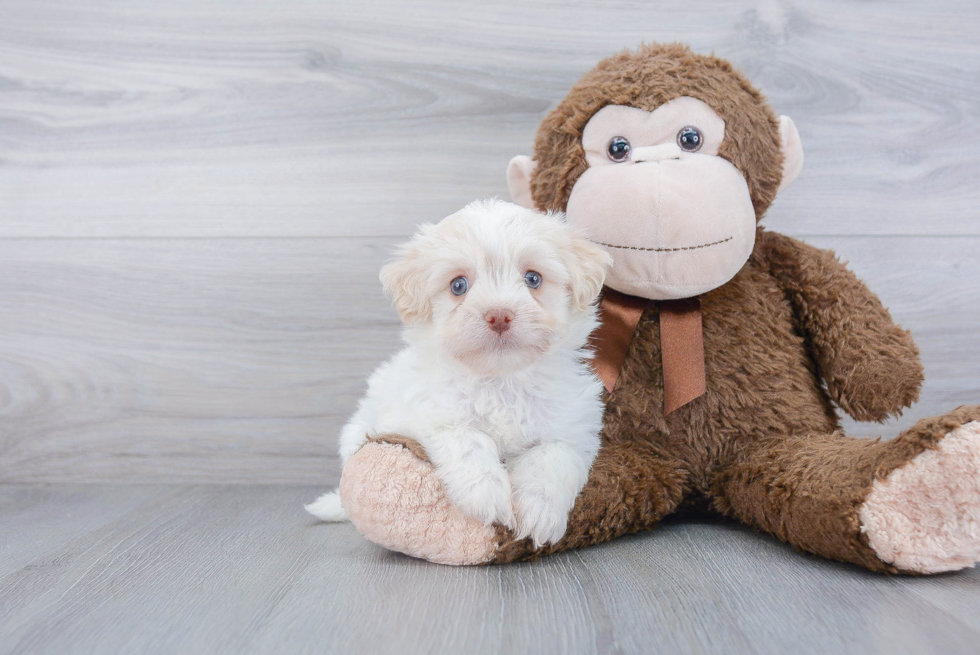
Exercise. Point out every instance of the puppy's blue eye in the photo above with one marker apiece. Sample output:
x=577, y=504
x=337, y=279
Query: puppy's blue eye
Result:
x=459, y=286
x=532, y=279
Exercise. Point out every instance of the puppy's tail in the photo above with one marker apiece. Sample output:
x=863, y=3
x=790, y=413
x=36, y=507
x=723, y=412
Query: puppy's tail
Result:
x=328, y=508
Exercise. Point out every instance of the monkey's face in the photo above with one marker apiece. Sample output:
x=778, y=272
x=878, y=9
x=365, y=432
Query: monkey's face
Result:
x=668, y=159
x=677, y=219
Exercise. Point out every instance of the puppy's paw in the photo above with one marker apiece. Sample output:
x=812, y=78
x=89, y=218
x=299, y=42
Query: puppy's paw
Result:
x=483, y=493
x=540, y=516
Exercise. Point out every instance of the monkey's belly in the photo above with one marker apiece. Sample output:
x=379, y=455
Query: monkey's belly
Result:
x=761, y=380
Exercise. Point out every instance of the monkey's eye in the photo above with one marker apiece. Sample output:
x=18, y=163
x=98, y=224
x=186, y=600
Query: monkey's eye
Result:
x=690, y=139
x=459, y=286
x=532, y=279
x=619, y=149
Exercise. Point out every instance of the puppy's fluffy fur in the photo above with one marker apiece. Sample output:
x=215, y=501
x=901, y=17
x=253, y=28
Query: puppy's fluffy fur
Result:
x=493, y=383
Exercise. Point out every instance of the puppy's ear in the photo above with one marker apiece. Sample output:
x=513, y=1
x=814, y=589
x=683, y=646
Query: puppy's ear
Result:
x=405, y=279
x=587, y=264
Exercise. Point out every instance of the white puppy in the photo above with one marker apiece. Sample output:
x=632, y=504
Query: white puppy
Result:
x=498, y=304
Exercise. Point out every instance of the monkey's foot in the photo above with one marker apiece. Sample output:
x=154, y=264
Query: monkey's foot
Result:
x=925, y=516
x=395, y=500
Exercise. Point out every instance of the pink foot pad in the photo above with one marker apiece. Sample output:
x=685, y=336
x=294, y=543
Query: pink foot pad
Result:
x=395, y=500
x=925, y=516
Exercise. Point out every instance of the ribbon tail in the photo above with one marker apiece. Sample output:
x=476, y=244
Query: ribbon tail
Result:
x=682, y=352
x=619, y=315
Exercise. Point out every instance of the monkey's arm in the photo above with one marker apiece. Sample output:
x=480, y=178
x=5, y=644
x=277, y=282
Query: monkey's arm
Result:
x=871, y=366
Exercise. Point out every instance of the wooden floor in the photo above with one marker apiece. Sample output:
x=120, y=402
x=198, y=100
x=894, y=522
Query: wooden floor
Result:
x=195, y=199
x=242, y=569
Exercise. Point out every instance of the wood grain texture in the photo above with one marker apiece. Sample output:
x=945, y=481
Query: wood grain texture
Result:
x=300, y=118
x=194, y=359
x=217, y=569
x=239, y=360
x=195, y=198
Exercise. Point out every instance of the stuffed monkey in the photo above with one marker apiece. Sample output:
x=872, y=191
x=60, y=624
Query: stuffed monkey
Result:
x=725, y=349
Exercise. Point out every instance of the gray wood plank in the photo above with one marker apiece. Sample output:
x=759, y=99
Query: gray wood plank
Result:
x=242, y=569
x=200, y=360
x=238, y=360
x=296, y=118
x=687, y=575
x=40, y=519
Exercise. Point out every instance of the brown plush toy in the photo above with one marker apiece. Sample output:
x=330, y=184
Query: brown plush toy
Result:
x=724, y=348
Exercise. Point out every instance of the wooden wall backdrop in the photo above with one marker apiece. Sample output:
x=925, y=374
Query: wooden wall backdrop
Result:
x=195, y=197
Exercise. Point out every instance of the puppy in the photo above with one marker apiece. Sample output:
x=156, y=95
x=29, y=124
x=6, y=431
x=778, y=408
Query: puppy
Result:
x=498, y=302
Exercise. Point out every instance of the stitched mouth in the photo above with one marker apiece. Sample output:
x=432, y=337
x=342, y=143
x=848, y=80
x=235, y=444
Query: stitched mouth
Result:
x=703, y=245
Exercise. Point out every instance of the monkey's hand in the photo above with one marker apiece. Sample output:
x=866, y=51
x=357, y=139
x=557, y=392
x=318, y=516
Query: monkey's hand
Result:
x=871, y=366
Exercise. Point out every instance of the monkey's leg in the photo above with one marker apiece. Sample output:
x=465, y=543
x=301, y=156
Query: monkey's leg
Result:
x=394, y=499
x=631, y=487
x=909, y=505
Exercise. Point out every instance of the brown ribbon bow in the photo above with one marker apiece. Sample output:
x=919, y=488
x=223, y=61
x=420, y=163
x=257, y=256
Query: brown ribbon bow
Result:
x=681, y=344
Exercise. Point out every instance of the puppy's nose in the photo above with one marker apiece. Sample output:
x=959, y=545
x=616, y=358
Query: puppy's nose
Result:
x=499, y=319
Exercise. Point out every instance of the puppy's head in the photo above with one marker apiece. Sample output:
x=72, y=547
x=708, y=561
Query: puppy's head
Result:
x=497, y=285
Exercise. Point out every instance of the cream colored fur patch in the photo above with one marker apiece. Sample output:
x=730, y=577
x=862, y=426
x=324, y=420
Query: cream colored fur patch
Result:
x=395, y=500
x=925, y=516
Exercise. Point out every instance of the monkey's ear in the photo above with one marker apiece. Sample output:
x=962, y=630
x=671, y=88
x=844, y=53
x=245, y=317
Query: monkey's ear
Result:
x=519, y=180
x=405, y=279
x=792, y=151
